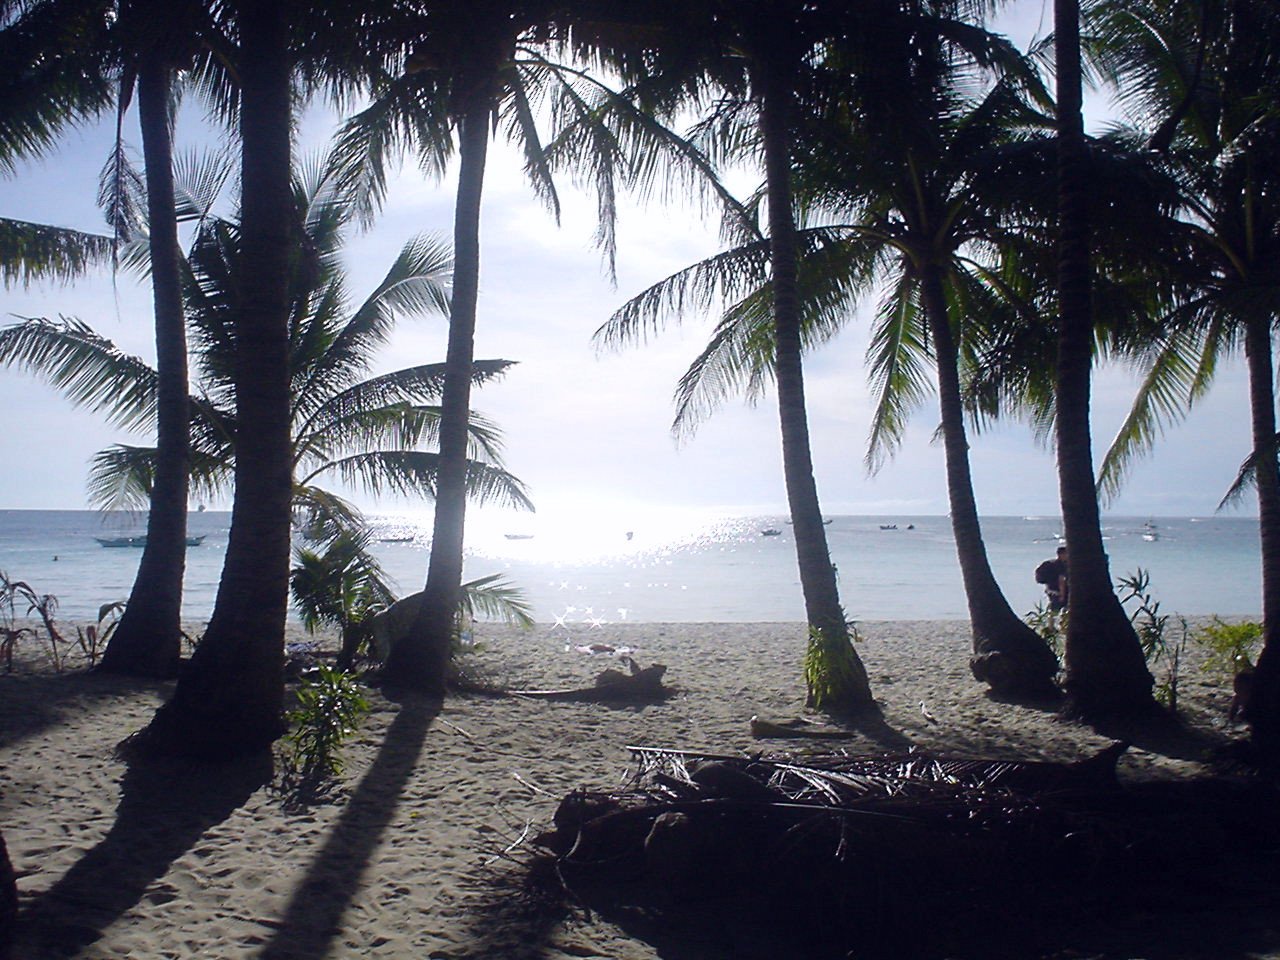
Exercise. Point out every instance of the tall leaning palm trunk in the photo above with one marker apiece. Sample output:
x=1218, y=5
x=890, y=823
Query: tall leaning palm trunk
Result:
x=148, y=639
x=421, y=660
x=843, y=686
x=1106, y=675
x=229, y=700
x=1007, y=654
x=1262, y=709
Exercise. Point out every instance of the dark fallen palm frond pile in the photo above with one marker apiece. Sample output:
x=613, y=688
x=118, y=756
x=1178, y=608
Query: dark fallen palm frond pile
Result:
x=901, y=855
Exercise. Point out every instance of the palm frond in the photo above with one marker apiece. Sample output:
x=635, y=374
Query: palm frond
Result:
x=122, y=195
x=397, y=426
x=417, y=283
x=738, y=359
x=608, y=140
x=56, y=75
x=200, y=180
x=1164, y=397
x=723, y=278
x=495, y=598
x=896, y=356
x=1247, y=476
x=409, y=112
x=523, y=127
x=36, y=251
x=88, y=369
x=412, y=473
x=120, y=478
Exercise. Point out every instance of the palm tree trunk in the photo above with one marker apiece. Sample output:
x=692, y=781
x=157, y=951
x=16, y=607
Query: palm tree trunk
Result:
x=844, y=687
x=229, y=700
x=148, y=640
x=420, y=661
x=1008, y=655
x=1106, y=674
x=1262, y=709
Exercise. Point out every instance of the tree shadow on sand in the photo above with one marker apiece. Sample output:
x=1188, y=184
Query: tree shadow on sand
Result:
x=166, y=806
x=1165, y=734
x=878, y=731
x=33, y=703
x=313, y=916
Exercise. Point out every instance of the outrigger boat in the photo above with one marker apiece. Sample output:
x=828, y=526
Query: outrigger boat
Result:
x=140, y=541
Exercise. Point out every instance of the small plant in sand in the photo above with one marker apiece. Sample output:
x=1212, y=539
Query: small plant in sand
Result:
x=1154, y=633
x=10, y=633
x=329, y=706
x=93, y=638
x=45, y=605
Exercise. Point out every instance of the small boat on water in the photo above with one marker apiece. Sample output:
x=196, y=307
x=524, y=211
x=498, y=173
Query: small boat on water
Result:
x=518, y=536
x=888, y=526
x=141, y=541
x=409, y=539
x=1150, y=532
x=770, y=533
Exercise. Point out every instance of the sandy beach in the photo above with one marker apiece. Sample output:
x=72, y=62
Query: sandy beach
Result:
x=409, y=861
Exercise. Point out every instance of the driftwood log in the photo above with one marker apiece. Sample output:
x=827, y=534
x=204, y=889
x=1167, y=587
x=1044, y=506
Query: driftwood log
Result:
x=795, y=729
x=642, y=684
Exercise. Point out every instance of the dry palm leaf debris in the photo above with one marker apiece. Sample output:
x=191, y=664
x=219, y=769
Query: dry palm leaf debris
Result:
x=841, y=855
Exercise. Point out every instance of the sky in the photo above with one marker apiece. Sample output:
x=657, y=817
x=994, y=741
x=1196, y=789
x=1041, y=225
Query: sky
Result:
x=587, y=430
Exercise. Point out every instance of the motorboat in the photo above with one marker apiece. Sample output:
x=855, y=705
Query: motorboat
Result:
x=888, y=526
x=518, y=536
x=771, y=533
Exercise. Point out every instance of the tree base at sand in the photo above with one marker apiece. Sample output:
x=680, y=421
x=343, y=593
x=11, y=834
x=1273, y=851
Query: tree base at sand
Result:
x=835, y=678
x=1015, y=667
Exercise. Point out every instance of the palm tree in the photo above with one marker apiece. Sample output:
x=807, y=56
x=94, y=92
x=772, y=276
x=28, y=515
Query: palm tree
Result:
x=466, y=72
x=1205, y=77
x=340, y=585
x=343, y=424
x=229, y=700
x=754, y=63
x=147, y=641
x=919, y=188
x=1106, y=673
x=141, y=45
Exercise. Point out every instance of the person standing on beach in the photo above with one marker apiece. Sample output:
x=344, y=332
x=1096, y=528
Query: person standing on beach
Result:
x=1053, y=574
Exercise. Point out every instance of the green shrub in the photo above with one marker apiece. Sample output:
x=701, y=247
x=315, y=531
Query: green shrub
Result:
x=1231, y=646
x=329, y=707
x=1050, y=624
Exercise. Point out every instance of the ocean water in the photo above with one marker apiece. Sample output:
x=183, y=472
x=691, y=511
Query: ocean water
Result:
x=681, y=568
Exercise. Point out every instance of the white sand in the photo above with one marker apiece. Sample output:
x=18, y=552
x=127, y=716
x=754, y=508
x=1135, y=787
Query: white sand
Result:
x=409, y=865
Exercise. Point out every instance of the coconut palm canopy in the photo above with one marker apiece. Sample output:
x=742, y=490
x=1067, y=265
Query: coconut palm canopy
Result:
x=366, y=431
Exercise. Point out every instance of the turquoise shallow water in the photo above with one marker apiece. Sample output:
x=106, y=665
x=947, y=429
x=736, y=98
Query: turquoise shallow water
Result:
x=686, y=570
